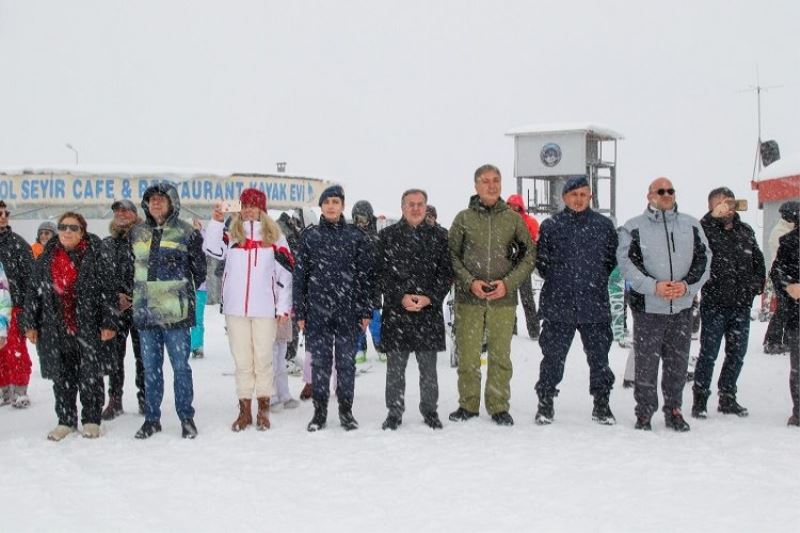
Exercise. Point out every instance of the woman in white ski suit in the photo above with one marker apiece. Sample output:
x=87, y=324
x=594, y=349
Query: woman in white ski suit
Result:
x=256, y=296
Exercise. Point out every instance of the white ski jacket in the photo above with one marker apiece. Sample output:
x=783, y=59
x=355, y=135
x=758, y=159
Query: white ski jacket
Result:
x=254, y=284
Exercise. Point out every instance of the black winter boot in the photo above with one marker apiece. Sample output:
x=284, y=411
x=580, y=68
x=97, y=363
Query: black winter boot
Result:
x=346, y=418
x=674, y=420
x=188, y=429
x=643, y=423
x=320, y=418
x=503, y=419
x=700, y=402
x=729, y=406
x=544, y=412
x=392, y=422
x=432, y=420
x=461, y=414
x=794, y=420
x=148, y=429
x=601, y=413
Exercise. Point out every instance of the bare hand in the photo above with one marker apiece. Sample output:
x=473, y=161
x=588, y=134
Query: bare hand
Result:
x=670, y=290
x=282, y=319
x=499, y=290
x=302, y=325
x=32, y=335
x=2, y=341
x=364, y=324
x=678, y=289
x=217, y=213
x=107, y=334
x=477, y=289
x=414, y=303
x=794, y=290
x=722, y=210
x=124, y=302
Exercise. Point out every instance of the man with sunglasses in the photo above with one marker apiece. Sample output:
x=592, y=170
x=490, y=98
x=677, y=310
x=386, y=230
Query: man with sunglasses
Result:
x=665, y=257
x=15, y=363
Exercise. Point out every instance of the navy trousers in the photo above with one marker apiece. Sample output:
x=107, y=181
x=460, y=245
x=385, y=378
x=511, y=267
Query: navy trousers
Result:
x=329, y=340
x=555, y=341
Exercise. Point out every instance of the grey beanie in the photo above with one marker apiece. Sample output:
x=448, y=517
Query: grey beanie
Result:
x=47, y=225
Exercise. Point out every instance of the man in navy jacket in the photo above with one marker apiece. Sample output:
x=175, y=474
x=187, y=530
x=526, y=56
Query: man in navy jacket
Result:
x=331, y=293
x=577, y=252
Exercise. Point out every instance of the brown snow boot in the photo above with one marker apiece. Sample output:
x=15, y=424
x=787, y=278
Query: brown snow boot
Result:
x=245, y=415
x=307, y=392
x=262, y=417
x=113, y=409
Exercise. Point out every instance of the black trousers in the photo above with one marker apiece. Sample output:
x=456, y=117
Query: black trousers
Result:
x=528, y=300
x=776, y=330
x=116, y=374
x=81, y=376
x=793, y=338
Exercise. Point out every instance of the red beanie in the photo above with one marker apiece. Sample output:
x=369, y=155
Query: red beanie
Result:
x=254, y=198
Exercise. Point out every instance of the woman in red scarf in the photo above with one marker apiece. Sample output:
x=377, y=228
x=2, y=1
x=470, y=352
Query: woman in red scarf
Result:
x=68, y=313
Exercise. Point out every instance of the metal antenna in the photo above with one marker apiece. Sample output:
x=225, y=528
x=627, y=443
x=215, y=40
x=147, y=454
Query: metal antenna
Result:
x=758, y=88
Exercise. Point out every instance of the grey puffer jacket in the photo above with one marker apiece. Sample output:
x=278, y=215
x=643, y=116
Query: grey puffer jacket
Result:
x=663, y=246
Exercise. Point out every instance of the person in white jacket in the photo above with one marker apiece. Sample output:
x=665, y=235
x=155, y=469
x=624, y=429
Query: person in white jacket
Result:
x=256, y=297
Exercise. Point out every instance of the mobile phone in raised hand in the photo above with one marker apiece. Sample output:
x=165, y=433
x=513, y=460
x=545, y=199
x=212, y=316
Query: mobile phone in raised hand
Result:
x=230, y=206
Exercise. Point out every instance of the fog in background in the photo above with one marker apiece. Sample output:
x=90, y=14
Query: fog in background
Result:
x=387, y=95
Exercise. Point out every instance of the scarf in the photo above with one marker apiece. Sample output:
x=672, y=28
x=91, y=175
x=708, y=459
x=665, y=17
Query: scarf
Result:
x=64, y=272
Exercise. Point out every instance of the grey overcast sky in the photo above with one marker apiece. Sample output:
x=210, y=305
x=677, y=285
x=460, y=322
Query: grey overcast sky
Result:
x=386, y=95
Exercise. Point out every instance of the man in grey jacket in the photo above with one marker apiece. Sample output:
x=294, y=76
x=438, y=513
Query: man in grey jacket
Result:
x=665, y=257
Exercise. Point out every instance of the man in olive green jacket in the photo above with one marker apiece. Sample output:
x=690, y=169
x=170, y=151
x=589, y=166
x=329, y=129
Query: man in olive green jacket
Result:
x=492, y=255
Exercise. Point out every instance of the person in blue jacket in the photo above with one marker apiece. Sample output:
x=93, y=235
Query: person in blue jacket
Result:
x=331, y=294
x=576, y=254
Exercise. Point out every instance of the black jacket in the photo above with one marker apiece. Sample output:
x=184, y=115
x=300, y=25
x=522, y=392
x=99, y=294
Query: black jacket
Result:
x=333, y=273
x=786, y=270
x=576, y=254
x=96, y=299
x=17, y=258
x=737, y=264
x=412, y=261
x=116, y=249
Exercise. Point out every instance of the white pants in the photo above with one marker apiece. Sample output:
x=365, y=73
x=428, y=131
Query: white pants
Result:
x=281, y=376
x=251, y=342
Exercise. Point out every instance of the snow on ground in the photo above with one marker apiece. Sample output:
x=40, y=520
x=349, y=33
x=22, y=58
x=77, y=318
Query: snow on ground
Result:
x=727, y=474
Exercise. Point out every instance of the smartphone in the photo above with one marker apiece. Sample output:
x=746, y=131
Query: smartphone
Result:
x=231, y=206
x=487, y=288
x=740, y=205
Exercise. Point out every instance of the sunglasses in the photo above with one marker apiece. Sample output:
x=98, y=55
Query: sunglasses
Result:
x=5, y=213
x=662, y=192
x=69, y=227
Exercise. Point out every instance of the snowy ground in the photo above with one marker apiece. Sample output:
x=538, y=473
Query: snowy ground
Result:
x=727, y=474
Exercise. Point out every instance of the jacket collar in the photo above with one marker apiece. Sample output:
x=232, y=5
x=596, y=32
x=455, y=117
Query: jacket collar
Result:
x=658, y=215
x=720, y=223
x=339, y=224
x=475, y=204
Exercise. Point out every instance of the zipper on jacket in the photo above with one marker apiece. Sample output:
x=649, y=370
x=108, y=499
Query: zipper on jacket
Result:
x=489, y=249
x=669, y=252
x=247, y=283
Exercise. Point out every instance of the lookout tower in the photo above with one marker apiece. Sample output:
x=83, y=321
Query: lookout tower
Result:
x=547, y=155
